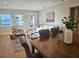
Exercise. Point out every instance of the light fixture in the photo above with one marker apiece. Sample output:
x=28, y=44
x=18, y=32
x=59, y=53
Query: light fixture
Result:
x=40, y=6
x=24, y=4
x=5, y=2
x=50, y=1
x=43, y=6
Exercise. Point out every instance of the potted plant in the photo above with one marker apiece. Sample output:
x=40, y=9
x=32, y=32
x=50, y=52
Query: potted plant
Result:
x=68, y=33
x=70, y=23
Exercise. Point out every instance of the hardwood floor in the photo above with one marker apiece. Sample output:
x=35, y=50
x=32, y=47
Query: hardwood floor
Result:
x=20, y=54
x=76, y=39
x=7, y=50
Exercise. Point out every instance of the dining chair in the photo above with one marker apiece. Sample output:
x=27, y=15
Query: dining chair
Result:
x=28, y=52
x=54, y=31
x=22, y=36
x=13, y=38
x=44, y=33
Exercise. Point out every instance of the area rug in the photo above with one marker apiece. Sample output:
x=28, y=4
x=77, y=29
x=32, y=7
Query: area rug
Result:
x=17, y=46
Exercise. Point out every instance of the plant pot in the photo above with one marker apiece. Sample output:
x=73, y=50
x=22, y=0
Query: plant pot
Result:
x=68, y=36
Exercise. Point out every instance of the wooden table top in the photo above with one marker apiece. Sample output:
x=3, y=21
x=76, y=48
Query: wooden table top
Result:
x=18, y=34
x=14, y=36
x=54, y=48
x=6, y=47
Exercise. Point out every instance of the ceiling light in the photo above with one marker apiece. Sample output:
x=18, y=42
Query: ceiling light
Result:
x=5, y=2
x=50, y=1
x=40, y=6
x=24, y=4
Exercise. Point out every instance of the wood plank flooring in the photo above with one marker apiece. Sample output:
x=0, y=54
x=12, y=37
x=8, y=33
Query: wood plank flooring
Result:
x=7, y=50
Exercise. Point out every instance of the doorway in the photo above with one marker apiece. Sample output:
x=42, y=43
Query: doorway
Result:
x=74, y=14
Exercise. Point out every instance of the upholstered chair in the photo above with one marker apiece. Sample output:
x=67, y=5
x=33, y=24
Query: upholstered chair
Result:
x=44, y=33
x=54, y=31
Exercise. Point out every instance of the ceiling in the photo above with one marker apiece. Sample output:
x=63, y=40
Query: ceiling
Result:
x=28, y=4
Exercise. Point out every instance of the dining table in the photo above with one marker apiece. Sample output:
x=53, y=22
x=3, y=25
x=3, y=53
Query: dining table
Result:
x=55, y=48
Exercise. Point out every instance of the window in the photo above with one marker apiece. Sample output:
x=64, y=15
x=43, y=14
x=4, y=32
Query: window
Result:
x=32, y=22
x=19, y=20
x=5, y=20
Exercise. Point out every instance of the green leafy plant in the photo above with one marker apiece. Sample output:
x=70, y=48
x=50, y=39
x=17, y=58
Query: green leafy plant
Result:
x=70, y=23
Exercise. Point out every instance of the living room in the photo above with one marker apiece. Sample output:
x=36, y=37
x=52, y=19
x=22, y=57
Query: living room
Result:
x=32, y=16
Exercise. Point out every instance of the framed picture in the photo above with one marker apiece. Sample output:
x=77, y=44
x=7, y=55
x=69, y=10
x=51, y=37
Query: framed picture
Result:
x=50, y=17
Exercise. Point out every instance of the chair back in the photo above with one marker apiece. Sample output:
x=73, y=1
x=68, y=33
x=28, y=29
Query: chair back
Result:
x=13, y=37
x=54, y=31
x=44, y=33
x=26, y=47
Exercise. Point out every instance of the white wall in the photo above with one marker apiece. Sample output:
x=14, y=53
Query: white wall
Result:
x=14, y=12
x=60, y=10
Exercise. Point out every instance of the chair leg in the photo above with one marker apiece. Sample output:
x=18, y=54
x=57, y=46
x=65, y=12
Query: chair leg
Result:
x=33, y=50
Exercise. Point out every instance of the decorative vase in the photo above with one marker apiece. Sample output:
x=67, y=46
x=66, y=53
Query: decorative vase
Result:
x=68, y=36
